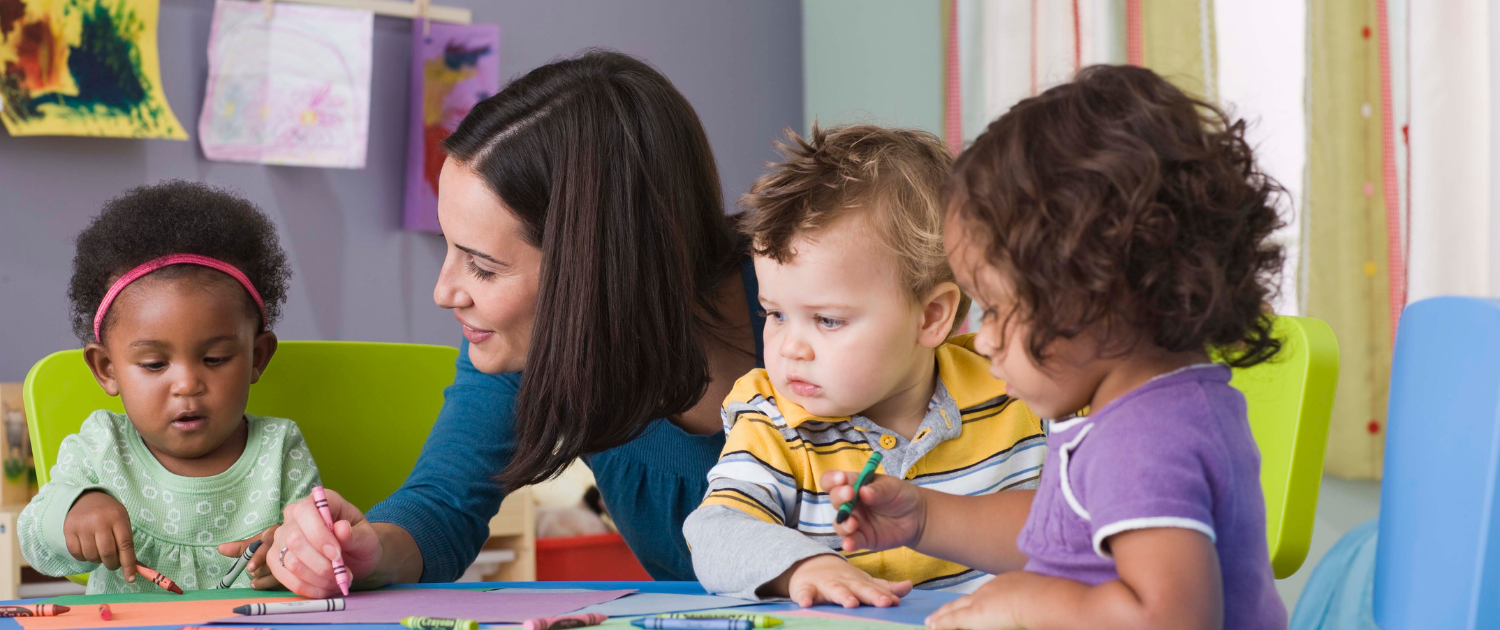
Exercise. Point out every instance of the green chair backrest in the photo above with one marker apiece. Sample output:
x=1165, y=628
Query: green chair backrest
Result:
x=1289, y=399
x=364, y=408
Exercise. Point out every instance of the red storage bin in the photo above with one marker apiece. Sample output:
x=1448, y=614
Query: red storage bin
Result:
x=579, y=558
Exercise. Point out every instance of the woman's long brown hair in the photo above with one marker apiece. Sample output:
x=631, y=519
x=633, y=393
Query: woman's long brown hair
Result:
x=609, y=170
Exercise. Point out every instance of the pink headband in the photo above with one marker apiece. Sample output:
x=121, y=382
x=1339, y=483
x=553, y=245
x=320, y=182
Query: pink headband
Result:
x=174, y=259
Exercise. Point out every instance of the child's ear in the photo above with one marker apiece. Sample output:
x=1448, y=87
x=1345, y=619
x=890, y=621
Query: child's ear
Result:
x=103, y=367
x=938, y=312
x=264, y=348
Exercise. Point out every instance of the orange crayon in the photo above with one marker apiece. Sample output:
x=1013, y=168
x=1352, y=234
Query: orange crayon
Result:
x=157, y=578
x=33, y=610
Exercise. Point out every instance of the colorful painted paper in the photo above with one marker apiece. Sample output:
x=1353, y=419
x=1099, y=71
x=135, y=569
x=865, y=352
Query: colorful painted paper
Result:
x=393, y=605
x=453, y=67
x=82, y=68
x=294, y=90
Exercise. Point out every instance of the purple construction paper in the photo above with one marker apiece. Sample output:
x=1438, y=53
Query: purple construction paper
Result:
x=393, y=605
x=453, y=67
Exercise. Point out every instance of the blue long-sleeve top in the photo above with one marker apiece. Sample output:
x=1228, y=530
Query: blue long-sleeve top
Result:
x=649, y=485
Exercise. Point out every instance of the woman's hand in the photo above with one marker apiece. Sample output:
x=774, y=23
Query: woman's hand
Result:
x=97, y=529
x=260, y=575
x=306, y=567
x=891, y=513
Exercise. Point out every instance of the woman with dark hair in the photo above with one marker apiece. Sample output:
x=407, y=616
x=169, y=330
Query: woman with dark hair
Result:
x=606, y=304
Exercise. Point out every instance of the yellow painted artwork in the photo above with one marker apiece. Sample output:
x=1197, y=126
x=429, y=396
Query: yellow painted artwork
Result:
x=82, y=68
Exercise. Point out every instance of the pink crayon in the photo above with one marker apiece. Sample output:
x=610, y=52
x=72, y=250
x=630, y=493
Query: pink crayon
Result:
x=563, y=623
x=340, y=572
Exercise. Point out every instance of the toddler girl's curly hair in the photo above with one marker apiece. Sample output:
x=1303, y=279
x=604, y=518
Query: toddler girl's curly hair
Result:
x=1117, y=199
x=176, y=217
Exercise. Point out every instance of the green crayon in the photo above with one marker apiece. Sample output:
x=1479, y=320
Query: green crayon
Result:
x=432, y=623
x=859, y=482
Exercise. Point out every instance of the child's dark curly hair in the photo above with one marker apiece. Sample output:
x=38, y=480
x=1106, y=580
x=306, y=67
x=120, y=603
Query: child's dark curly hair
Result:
x=1118, y=199
x=176, y=217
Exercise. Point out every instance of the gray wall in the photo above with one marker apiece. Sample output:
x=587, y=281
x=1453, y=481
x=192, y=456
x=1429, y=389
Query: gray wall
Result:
x=357, y=276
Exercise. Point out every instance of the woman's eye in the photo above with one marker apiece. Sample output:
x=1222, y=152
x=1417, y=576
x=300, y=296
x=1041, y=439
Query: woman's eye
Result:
x=478, y=272
x=829, y=323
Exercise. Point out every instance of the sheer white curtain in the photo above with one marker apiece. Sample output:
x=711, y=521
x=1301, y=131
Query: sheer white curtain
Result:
x=1454, y=228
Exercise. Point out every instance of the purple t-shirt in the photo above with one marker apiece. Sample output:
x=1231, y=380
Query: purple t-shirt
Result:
x=1175, y=452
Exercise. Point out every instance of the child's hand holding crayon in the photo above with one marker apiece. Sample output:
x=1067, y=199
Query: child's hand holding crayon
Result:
x=98, y=530
x=890, y=512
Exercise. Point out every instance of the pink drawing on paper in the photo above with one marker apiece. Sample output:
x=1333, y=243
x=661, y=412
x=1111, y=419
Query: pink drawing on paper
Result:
x=294, y=90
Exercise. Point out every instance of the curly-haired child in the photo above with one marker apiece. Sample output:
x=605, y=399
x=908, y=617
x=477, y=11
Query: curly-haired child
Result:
x=175, y=287
x=1113, y=229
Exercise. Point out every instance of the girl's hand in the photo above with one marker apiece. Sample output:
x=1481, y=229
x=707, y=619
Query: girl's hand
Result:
x=97, y=529
x=829, y=579
x=260, y=575
x=891, y=512
x=307, y=566
x=989, y=607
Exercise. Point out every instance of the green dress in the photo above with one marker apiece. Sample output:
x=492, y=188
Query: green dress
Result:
x=176, y=522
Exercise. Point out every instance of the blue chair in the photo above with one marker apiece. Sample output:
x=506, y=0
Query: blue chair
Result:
x=1437, y=558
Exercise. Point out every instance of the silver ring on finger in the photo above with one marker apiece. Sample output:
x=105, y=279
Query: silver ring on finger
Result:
x=282, y=557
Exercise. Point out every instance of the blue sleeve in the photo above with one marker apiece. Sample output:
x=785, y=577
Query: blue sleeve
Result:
x=447, y=501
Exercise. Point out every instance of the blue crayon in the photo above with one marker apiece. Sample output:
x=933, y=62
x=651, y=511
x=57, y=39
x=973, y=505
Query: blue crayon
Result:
x=657, y=623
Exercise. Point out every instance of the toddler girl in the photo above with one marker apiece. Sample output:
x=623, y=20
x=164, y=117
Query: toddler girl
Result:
x=1112, y=230
x=174, y=290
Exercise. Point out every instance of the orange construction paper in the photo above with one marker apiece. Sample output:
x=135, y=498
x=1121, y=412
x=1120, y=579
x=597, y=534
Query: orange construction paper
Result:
x=181, y=613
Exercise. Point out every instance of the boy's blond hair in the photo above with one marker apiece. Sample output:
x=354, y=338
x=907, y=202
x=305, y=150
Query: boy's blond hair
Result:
x=894, y=177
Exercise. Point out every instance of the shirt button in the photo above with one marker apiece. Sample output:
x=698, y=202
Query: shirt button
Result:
x=887, y=442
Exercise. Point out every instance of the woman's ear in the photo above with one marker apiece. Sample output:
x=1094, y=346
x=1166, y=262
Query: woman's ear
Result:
x=263, y=348
x=938, y=312
x=103, y=367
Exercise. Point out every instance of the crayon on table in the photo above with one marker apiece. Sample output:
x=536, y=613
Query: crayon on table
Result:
x=565, y=622
x=157, y=578
x=760, y=621
x=277, y=608
x=657, y=623
x=33, y=610
x=340, y=572
x=859, y=482
x=438, y=623
x=239, y=565
x=105, y=613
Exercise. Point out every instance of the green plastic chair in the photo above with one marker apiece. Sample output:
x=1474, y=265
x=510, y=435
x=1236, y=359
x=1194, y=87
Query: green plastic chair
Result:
x=364, y=408
x=1289, y=400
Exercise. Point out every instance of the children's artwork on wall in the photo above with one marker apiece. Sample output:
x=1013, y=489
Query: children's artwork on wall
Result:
x=293, y=90
x=82, y=68
x=453, y=67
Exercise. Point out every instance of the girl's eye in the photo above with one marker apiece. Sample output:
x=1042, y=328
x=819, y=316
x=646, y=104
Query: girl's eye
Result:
x=154, y=366
x=478, y=272
x=216, y=360
x=989, y=315
x=775, y=316
x=829, y=323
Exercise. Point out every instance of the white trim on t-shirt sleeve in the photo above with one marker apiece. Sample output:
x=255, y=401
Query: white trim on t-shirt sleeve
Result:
x=1063, y=454
x=1150, y=522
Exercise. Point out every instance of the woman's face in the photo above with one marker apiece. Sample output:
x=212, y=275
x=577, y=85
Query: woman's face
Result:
x=489, y=277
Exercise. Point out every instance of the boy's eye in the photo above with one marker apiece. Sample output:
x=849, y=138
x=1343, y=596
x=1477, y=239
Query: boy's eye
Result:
x=830, y=323
x=154, y=366
x=478, y=272
x=216, y=360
